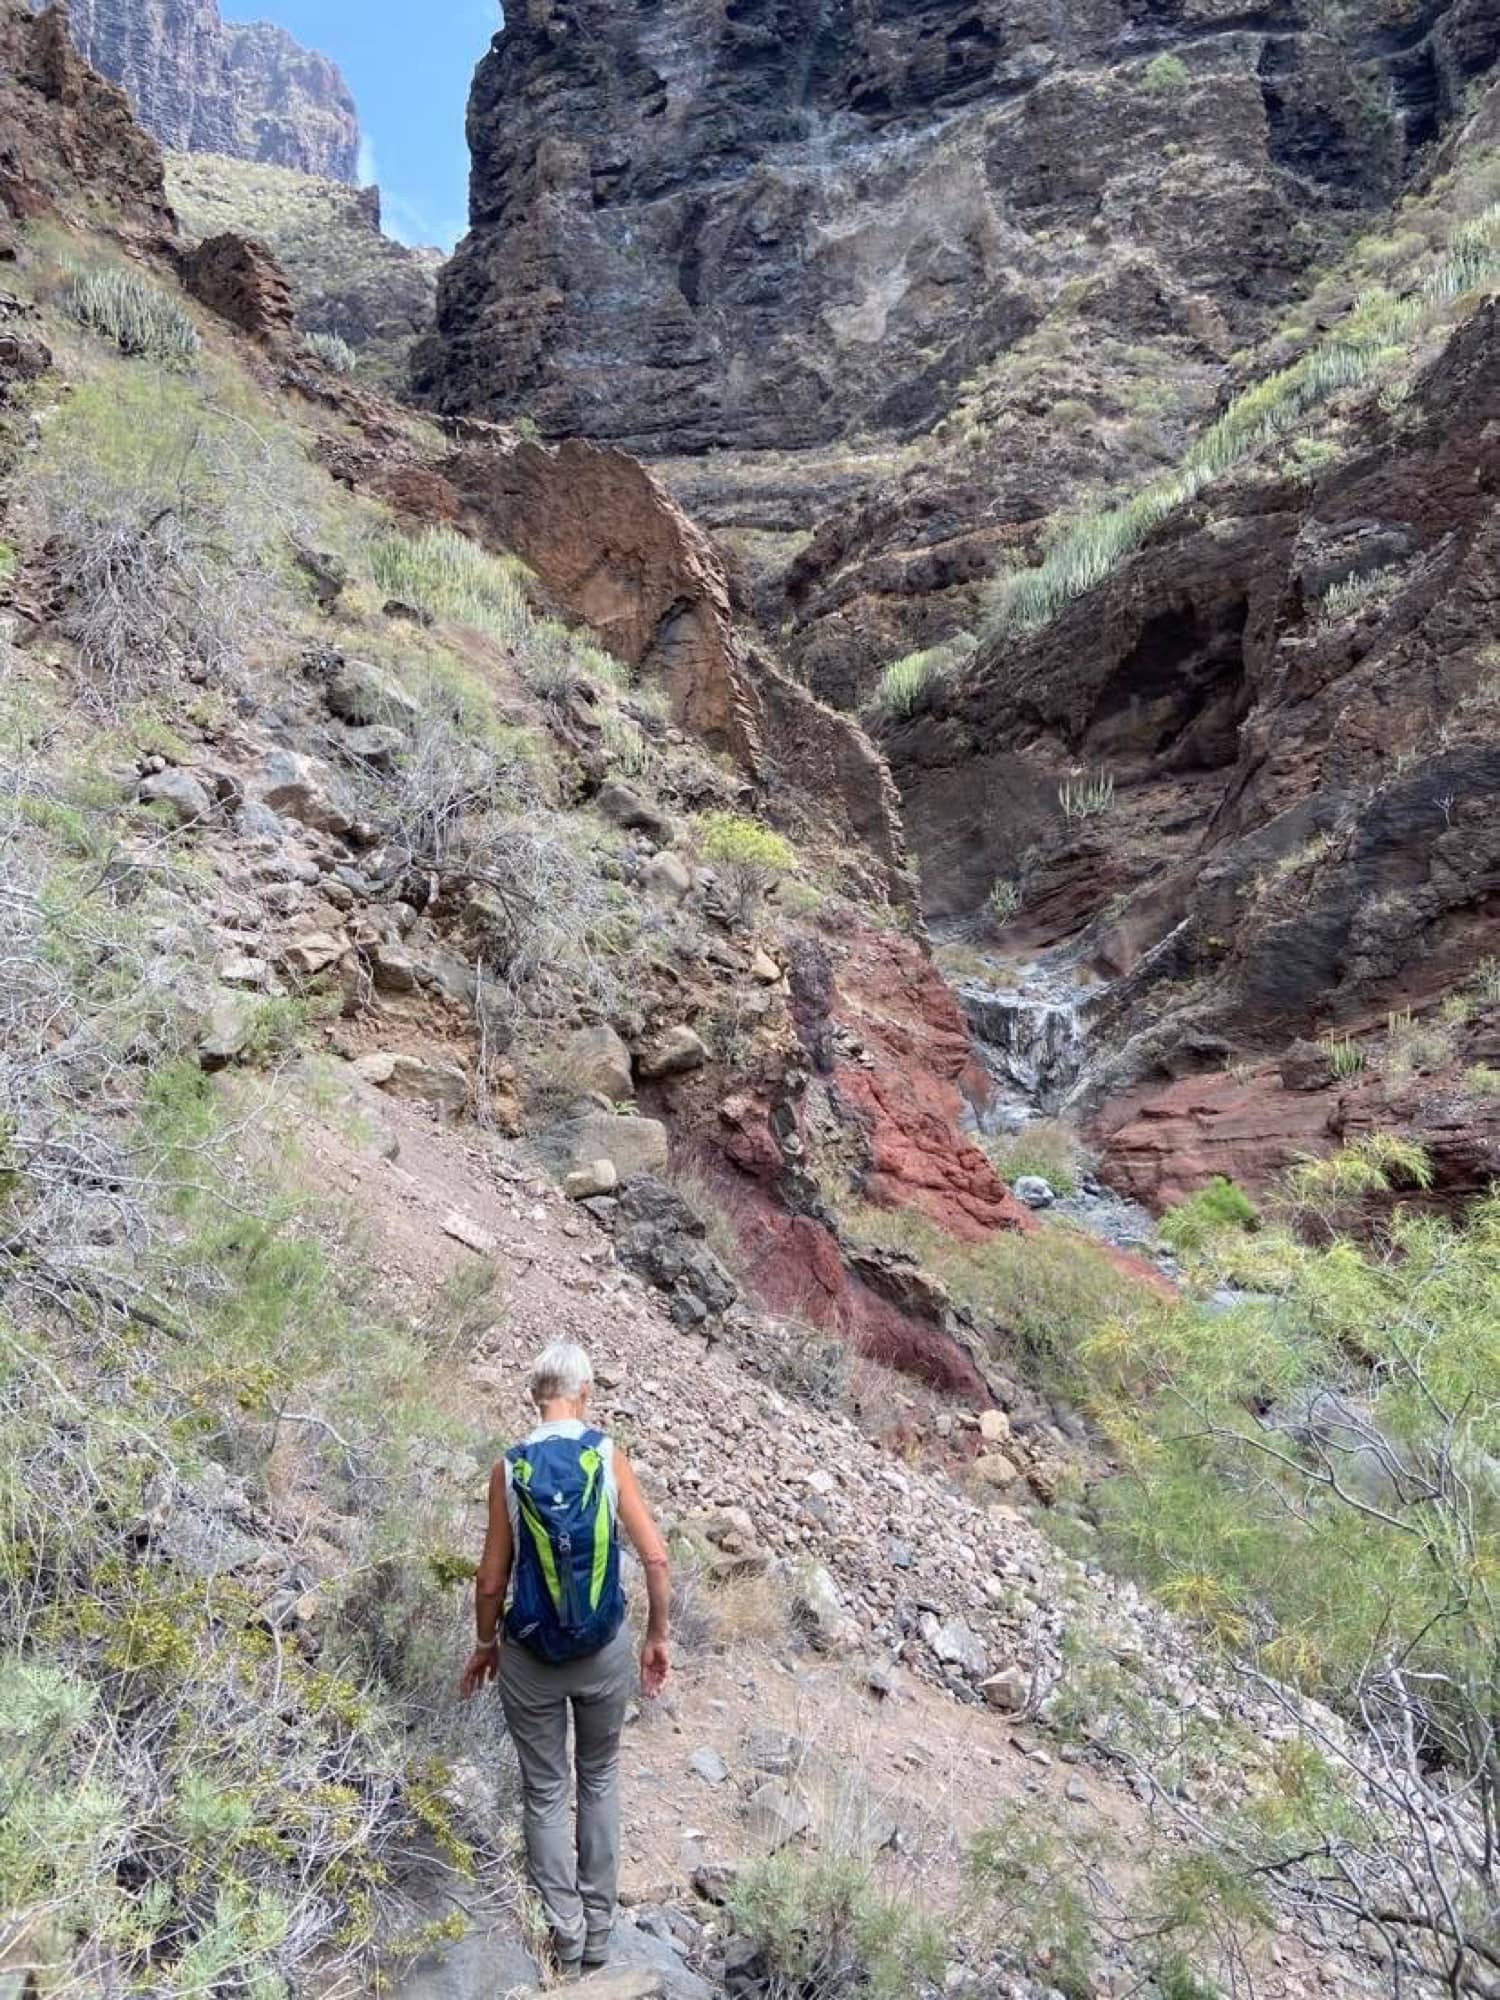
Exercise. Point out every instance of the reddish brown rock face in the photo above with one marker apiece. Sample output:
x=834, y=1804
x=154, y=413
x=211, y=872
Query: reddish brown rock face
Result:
x=67, y=136
x=241, y=281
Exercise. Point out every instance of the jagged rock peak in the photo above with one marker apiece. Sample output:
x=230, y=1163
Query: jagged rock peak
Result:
x=201, y=84
x=779, y=222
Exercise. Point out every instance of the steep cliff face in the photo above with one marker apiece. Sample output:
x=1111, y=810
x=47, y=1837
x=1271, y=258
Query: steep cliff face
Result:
x=201, y=84
x=774, y=225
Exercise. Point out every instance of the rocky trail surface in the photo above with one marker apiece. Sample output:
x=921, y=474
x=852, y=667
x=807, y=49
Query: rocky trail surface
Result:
x=902, y=1679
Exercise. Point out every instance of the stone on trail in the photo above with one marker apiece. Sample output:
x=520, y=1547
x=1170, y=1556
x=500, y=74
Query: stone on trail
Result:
x=776, y=1815
x=708, y=1765
x=462, y=1230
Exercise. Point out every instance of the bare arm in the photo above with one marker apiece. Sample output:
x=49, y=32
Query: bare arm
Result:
x=491, y=1582
x=645, y=1536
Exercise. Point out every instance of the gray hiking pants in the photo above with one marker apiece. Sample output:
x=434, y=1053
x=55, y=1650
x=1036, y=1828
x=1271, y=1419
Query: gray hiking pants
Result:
x=573, y=1870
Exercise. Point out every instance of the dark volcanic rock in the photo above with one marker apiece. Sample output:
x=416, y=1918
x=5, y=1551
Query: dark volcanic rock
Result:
x=204, y=85
x=241, y=281
x=768, y=225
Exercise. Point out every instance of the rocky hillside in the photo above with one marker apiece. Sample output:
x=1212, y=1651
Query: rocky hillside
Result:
x=349, y=280
x=433, y=917
x=201, y=84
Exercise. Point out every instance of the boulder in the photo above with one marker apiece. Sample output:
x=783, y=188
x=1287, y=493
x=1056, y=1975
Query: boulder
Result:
x=996, y=1470
x=363, y=695
x=182, y=800
x=1033, y=1190
x=313, y=951
x=596, y=1060
x=1008, y=1690
x=633, y=1146
x=238, y=278
x=955, y=1645
x=622, y=806
x=764, y=969
x=994, y=1426
x=668, y=877
x=378, y=744
x=442, y=1085
x=821, y=1609
x=676, y=1052
x=302, y=789
x=227, y=1032
x=393, y=969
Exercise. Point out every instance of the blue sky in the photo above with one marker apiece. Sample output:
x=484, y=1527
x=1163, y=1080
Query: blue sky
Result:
x=409, y=68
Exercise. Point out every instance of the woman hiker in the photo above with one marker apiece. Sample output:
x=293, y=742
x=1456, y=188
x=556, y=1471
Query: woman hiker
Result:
x=557, y=1502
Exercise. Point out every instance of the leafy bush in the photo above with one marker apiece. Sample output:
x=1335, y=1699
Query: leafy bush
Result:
x=1166, y=74
x=169, y=518
x=1213, y=1209
x=824, y=1928
x=1314, y=1476
x=141, y=320
x=751, y=857
x=333, y=351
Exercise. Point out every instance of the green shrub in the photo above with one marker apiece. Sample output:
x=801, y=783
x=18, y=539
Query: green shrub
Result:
x=333, y=351
x=1482, y=1080
x=1347, y=1057
x=904, y=684
x=1213, y=1209
x=824, y=1927
x=1086, y=797
x=1045, y=1146
x=1004, y=901
x=1344, y=599
x=751, y=856
x=1166, y=74
x=141, y=320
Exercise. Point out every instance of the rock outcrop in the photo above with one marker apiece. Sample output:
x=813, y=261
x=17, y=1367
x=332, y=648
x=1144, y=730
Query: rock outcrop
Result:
x=205, y=85
x=67, y=137
x=347, y=277
x=616, y=552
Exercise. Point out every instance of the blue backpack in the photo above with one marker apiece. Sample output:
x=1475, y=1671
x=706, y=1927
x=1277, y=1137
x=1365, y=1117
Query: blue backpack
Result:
x=567, y=1601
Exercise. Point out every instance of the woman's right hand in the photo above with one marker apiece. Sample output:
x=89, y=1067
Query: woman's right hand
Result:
x=655, y=1666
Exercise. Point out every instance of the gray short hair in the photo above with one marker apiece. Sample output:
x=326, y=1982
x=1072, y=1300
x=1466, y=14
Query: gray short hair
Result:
x=562, y=1369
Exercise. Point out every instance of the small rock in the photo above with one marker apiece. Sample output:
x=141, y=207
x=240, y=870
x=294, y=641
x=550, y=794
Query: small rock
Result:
x=1077, y=1791
x=1033, y=1190
x=1008, y=1690
x=765, y=969
x=361, y=694
x=996, y=1470
x=313, y=952
x=376, y=743
x=584, y=1183
x=881, y=1680
x=394, y=970
x=956, y=1646
x=462, y=1230
x=301, y=788
x=775, y=1752
x=776, y=1815
x=184, y=802
x=667, y=877
x=624, y=807
x=994, y=1426
x=440, y=1084
x=251, y=972
x=673, y=1053
x=231, y=1022
x=714, y=1880
x=708, y=1765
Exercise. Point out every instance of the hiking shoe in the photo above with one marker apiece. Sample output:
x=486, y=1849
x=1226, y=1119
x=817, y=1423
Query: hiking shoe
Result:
x=596, y=1953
